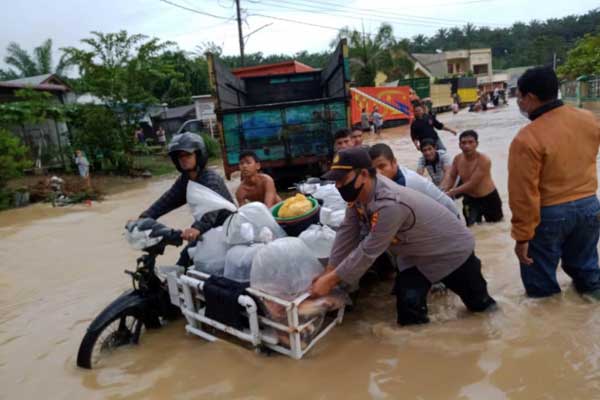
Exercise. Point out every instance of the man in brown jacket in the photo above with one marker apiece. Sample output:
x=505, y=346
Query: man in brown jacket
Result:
x=552, y=185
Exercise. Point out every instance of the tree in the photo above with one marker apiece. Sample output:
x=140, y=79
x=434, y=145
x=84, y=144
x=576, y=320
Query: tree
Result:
x=24, y=64
x=121, y=69
x=370, y=54
x=584, y=59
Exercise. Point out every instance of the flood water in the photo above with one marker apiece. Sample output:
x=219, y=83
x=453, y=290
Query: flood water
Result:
x=60, y=267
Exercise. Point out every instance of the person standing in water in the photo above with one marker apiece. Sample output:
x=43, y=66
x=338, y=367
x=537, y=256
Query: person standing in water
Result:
x=480, y=196
x=552, y=184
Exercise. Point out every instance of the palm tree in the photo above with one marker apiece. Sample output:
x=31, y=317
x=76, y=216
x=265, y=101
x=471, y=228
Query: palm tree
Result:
x=370, y=53
x=24, y=64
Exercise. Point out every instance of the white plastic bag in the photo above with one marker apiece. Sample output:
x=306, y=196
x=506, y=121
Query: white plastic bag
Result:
x=332, y=218
x=209, y=253
x=319, y=239
x=141, y=240
x=284, y=268
x=238, y=262
x=203, y=200
x=255, y=214
x=331, y=197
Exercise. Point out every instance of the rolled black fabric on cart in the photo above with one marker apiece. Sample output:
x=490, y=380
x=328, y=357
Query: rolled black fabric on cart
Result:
x=221, y=295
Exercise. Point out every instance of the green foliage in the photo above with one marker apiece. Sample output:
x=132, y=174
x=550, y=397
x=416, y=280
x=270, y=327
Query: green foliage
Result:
x=24, y=64
x=121, y=69
x=372, y=53
x=31, y=107
x=315, y=60
x=98, y=132
x=520, y=45
x=213, y=148
x=583, y=59
x=13, y=157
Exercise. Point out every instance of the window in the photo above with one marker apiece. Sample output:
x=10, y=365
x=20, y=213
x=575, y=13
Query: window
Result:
x=450, y=68
x=480, y=69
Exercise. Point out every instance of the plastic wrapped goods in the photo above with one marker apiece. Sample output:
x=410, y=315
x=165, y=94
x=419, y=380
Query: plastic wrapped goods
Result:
x=203, y=200
x=255, y=214
x=319, y=239
x=284, y=268
x=295, y=206
x=331, y=197
x=332, y=218
x=209, y=253
x=238, y=262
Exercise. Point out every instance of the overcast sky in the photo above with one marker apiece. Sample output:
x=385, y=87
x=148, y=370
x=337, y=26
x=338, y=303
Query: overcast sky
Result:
x=30, y=22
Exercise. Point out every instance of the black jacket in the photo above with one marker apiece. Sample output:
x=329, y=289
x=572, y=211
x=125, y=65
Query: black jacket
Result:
x=175, y=197
x=423, y=128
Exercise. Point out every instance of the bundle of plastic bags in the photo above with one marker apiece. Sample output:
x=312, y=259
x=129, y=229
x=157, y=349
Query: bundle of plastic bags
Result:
x=246, y=225
x=331, y=197
x=319, y=239
x=332, y=218
x=238, y=262
x=209, y=253
x=284, y=268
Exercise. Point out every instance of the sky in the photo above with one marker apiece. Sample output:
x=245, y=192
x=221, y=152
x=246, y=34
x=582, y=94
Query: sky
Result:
x=291, y=25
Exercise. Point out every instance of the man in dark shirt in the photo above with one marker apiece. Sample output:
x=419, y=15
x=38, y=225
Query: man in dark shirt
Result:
x=423, y=127
x=189, y=155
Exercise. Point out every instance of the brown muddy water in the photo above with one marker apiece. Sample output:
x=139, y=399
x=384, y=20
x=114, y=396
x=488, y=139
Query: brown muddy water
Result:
x=60, y=267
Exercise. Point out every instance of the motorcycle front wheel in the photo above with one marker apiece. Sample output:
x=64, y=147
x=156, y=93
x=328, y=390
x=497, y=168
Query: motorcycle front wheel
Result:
x=124, y=328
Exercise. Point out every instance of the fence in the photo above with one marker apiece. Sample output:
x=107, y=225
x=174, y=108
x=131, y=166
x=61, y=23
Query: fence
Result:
x=583, y=93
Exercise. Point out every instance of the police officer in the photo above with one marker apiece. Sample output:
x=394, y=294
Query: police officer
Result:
x=428, y=242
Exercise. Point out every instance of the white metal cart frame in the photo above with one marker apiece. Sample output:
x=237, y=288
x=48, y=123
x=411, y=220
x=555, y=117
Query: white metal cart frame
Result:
x=186, y=291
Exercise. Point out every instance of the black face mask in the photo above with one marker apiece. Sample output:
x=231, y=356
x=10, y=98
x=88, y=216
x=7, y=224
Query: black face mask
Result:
x=348, y=192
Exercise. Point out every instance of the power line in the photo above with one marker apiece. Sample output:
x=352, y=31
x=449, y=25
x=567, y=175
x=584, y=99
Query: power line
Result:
x=387, y=14
x=194, y=10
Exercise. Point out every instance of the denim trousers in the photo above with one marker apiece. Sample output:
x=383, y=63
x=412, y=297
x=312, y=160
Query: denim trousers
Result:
x=568, y=233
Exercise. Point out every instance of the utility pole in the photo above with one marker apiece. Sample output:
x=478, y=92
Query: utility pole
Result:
x=241, y=36
x=554, y=61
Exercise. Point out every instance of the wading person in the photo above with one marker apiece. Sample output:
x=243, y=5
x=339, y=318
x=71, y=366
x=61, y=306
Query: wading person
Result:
x=428, y=241
x=189, y=155
x=255, y=186
x=365, y=125
x=552, y=183
x=341, y=140
x=386, y=164
x=377, y=120
x=474, y=169
x=436, y=162
x=424, y=127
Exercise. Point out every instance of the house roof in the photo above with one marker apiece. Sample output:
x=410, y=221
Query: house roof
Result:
x=49, y=82
x=178, y=112
x=285, y=67
x=434, y=62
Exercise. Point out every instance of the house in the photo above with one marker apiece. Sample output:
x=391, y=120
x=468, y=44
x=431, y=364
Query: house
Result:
x=419, y=71
x=48, y=137
x=457, y=62
x=172, y=118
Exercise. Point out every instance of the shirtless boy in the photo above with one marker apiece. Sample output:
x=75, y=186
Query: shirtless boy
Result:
x=255, y=186
x=481, y=198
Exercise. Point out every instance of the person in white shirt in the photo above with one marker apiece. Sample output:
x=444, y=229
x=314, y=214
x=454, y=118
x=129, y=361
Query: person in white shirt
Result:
x=384, y=161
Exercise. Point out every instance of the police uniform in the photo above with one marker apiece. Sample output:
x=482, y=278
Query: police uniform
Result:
x=427, y=241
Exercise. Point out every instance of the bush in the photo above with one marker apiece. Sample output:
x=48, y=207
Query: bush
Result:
x=212, y=146
x=106, y=142
x=13, y=157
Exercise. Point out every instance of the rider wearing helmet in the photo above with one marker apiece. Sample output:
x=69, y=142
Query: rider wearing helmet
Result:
x=188, y=152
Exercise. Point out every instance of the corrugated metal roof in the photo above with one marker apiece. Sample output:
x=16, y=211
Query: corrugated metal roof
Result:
x=31, y=80
x=285, y=67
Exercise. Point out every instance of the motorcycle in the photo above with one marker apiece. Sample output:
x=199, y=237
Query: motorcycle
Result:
x=146, y=306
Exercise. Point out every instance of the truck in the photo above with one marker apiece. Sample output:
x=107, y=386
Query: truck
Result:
x=287, y=119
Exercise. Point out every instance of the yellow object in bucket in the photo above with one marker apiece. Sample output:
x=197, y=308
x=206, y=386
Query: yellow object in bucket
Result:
x=294, y=206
